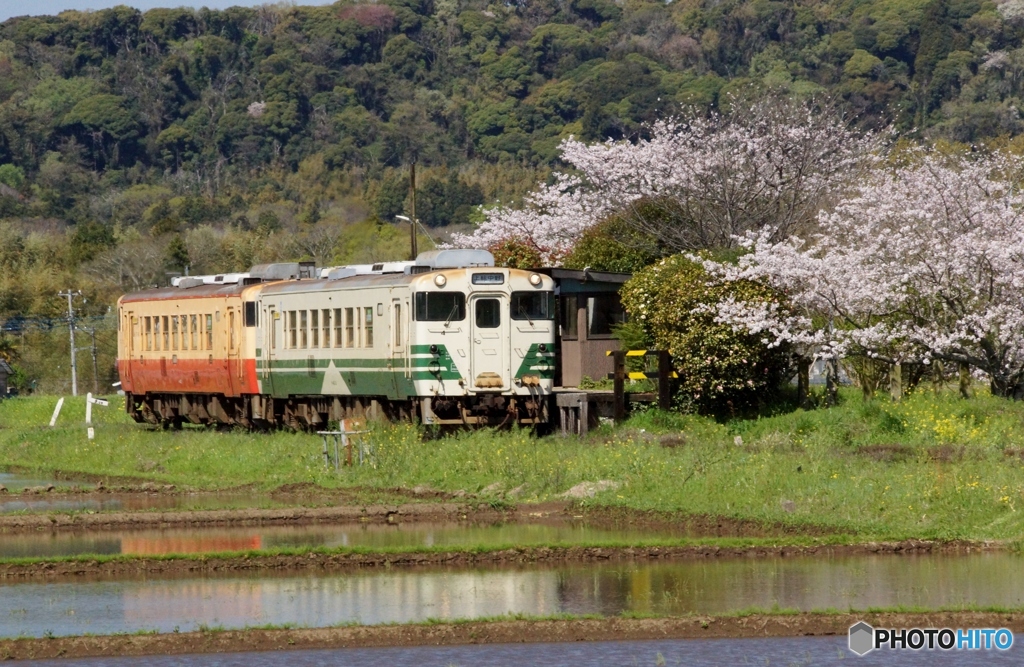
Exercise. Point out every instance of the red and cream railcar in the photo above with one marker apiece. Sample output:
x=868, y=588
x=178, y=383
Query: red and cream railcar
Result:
x=185, y=354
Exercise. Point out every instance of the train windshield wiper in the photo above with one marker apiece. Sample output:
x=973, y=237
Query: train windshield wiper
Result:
x=451, y=315
x=525, y=314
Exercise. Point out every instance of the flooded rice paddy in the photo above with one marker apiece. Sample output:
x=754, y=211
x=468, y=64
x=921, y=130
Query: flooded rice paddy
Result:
x=389, y=596
x=16, y=482
x=802, y=651
x=372, y=536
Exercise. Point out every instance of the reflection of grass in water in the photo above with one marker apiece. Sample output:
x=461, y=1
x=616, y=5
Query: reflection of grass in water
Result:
x=931, y=466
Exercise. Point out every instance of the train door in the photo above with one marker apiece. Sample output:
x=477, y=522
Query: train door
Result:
x=129, y=344
x=397, y=344
x=267, y=347
x=491, y=344
x=234, y=365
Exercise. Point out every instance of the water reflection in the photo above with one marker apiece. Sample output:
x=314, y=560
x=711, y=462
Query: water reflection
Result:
x=388, y=597
x=376, y=536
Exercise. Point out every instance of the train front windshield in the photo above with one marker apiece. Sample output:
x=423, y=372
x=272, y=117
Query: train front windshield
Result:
x=533, y=305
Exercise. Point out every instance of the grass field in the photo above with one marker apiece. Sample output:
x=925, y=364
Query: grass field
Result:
x=932, y=466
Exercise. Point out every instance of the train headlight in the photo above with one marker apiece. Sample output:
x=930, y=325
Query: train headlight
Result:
x=440, y=280
x=535, y=280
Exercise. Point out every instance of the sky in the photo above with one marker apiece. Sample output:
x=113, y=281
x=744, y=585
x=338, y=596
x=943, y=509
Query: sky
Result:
x=9, y=8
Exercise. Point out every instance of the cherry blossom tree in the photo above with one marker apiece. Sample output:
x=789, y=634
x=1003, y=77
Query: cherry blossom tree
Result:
x=921, y=262
x=697, y=182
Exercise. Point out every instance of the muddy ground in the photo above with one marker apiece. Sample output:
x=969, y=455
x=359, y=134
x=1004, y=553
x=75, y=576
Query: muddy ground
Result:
x=310, y=505
x=129, y=566
x=494, y=632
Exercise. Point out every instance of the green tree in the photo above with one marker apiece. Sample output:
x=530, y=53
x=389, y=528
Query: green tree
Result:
x=12, y=176
x=721, y=370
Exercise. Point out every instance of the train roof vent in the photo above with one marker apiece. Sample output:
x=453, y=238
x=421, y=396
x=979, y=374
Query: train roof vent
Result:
x=455, y=258
x=307, y=270
x=278, y=271
x=219, y=279
x=369, y=269
x=339, y=273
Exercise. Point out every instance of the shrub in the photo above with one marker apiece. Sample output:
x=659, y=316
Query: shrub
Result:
x=721, y=370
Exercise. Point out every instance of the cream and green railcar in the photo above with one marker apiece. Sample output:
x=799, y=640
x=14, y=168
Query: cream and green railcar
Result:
x=449, y=339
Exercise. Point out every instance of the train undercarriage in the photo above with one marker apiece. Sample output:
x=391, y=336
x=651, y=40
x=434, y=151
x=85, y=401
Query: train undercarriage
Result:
x=259, y=411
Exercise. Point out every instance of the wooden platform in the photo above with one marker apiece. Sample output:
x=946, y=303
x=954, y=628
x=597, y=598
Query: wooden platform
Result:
x=579, y=409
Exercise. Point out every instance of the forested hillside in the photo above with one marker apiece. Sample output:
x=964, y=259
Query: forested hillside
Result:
x=136, y=144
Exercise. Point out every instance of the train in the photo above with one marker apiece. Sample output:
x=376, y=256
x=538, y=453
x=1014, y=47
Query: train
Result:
x=446, y=339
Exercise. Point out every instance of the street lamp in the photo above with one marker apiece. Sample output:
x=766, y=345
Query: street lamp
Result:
x=412, y=233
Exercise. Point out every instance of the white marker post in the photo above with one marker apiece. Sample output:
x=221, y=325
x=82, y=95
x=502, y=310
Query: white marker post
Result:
x=56, y=412
x=89, y=401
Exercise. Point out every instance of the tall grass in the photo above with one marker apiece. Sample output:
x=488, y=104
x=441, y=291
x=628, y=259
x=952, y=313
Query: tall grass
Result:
x=933, y=466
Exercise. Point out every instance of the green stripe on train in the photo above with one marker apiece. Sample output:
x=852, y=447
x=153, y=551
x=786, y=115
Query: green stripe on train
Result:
x=361, y=377
x=537, y=363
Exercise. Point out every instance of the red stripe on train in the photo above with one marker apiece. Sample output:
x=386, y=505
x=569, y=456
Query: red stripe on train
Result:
x=230, y=377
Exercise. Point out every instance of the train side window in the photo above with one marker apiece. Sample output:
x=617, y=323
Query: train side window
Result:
x=314, y=327
x=291, y=330
x=368, y=323
x=184, y=332
x=166, y=345
x=148, y=325
x=174, y=332
x=303, y=328
x=194, y=331
x=350, y=328
x=337, y=327
x=231, y=329
x=398, y=325
x=209, y=332
x=156, y=333
x=325, y=322
x=250, y=316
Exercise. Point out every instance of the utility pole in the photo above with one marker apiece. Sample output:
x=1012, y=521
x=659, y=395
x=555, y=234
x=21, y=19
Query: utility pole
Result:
x=412, y=192
x=71, y=329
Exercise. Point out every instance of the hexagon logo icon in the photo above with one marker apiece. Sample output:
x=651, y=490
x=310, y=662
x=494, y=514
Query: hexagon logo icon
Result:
x=862, y=638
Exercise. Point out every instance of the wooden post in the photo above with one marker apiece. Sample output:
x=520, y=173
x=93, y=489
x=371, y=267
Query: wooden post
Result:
x=664, y=380
x=937, y=376
x=619, y=385
x=965, y=380
x=896, y=382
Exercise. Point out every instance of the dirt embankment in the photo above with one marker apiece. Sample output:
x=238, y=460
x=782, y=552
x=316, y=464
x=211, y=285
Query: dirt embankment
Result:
x=411, y=512
x=493, y=632
x=341, y=561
